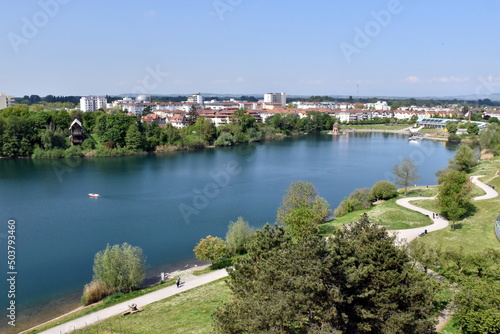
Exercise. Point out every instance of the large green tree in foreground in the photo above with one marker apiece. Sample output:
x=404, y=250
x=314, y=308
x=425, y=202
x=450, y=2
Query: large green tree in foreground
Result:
x=355, y=282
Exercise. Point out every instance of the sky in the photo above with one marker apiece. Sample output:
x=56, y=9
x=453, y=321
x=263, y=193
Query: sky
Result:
x=317, y=47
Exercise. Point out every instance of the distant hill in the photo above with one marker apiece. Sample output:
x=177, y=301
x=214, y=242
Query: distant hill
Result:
x=493, y=97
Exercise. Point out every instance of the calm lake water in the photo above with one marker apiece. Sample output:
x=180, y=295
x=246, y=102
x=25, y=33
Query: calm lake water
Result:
x=166, y=203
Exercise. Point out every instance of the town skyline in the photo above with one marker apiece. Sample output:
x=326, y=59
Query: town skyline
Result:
x=369, y=48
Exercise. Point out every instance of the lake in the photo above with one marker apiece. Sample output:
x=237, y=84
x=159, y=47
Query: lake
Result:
x=166, y=203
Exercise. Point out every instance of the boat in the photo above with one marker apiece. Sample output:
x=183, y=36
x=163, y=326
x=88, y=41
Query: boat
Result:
x=94, y=195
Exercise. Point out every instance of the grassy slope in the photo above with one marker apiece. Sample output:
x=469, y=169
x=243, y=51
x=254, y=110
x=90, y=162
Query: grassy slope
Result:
x=388, y=214
x=188, y=312
x=476, y=232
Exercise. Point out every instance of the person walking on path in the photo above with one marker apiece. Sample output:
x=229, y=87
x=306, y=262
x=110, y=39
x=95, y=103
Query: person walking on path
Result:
x=178, y=282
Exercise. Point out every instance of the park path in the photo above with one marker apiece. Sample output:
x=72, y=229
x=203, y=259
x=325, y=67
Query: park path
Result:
x=438, y=222
x=141, y=301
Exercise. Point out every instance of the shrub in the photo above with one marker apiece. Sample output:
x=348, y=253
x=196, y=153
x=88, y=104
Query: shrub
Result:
x=225, y=139
x=341, y=209
x=383, y=190
x=73, y=152
x=88, y=144
x=359, y=199
x=94, y=292
x=120, y=268
x=211, y=249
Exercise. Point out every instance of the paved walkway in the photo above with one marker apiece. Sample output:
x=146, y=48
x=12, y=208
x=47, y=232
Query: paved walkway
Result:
x=139, y=301
x=439, y=222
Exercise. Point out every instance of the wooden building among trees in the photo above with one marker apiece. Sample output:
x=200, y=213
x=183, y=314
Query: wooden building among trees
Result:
x=76, y=133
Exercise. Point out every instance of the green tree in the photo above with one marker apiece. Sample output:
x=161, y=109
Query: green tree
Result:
x=211, y=249
x=302, y=209
x=454, y=197
x=238, y=236
x=358, y=282
x=464, y=159
x=192, y=115
x=134, y=138
x=478, y=306
x=472, y=128
x=425, y=255
x=406, y=173
x=206, y=129
x=383, y=190
x=121, y=268
x=451, y=127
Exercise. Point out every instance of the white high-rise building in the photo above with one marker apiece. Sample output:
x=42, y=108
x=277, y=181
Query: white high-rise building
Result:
x=196, y=98
x=6, y=101
x=92, y=103
x=275, y=98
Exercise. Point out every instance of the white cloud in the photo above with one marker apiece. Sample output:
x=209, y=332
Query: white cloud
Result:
x=151, y=13
x=240, y=79
x=449, y=79
x=413, y=79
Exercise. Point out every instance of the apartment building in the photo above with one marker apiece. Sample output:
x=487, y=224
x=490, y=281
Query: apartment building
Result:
x=92, y=103
x=6, y=101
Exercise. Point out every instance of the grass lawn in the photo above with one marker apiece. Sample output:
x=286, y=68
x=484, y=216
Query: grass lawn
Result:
x=428, y=204
x=431, y=130
x=188, y=312
x=388, y=214
x=452, y=327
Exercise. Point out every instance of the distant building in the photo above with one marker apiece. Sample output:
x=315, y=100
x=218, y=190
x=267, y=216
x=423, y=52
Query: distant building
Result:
x=195, y=98
x=379, y=105
x=76, y=133
x=275, y=98
x=92, y=103
x=6, y=101
x=336, y=129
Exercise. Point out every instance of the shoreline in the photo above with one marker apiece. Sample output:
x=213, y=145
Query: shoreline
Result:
x=69, y=303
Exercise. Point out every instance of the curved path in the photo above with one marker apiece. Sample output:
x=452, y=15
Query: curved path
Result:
x=438, y=222
x=139, y=301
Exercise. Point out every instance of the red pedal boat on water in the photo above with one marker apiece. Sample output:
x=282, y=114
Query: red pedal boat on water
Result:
x=94, y=195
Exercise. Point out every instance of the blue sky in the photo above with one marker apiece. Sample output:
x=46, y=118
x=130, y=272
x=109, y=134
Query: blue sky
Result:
x=316, y=47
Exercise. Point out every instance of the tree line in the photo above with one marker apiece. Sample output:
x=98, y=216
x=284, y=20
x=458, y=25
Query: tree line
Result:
x=45, y=134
